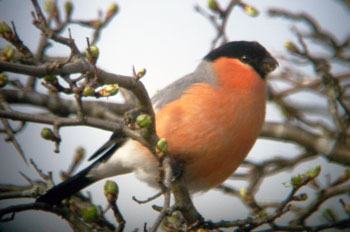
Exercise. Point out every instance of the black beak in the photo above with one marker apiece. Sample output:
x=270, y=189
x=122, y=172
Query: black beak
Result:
x=269, y=64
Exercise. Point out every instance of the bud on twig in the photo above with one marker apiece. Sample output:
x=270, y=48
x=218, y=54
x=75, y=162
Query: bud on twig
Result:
x=245, y=195
x=4, y=28
x=7, y=53
x=250, y=10
x=300, y=197
x=303, y=179
x=109, y=90
x=140, y=74
x=79, y=154
x=290, y=46
x=4, y=79
x=88, y=91
x=97, y=23
x=50, y=78
x=296, y=180
x=93, y=54
x=144, y=120
x=314, y=172
x=47, y=133
x=49, y=6
x=162, y=146
x=111, y=187
x=111, y=190
x=329, y=215
x=10, y=53
x=68, y=6
x=213, y=5
x=112, y=10
x=89, y=214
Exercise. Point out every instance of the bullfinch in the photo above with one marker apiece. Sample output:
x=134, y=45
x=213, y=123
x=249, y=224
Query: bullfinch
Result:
x=210, y=118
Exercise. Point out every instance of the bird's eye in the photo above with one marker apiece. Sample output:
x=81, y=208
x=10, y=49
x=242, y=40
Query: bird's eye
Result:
x=245, y=59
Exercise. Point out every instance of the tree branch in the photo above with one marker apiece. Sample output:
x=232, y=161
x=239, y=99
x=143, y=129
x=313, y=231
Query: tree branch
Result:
x=82, y=67
x=65, y=107
x=328, y=147
x=87, y=121
x=75, y=222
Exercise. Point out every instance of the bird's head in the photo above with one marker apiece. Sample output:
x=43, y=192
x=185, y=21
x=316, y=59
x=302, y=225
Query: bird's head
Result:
x=250, y=53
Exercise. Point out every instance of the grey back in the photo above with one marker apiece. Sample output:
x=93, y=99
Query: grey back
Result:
x=203, y=74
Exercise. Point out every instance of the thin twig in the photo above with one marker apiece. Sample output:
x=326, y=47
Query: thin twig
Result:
x=148, y=199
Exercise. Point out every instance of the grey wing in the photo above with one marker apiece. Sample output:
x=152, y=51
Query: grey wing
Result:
x=203, y=74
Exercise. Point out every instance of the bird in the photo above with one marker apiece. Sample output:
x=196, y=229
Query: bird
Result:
x=210, y=118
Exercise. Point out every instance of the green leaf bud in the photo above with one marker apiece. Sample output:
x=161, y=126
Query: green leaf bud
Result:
x=141, y=73
x=49, y=6
x=89, y=214
x=144, y=120
x=251, y=11
x=50, y=78
x=300, y=197
x=47, y=133
x=4, y=79
x=111, y=187
x=290, y=46
x=68, y=6
x=109, y=90
x=213, y=5
x=94, y=52
x=88, y=91
x=4, y=27
x=314, y=172
x=297, y=180
x=162, y=146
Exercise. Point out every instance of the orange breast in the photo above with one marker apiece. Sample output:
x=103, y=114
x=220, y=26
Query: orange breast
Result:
x=211, y=130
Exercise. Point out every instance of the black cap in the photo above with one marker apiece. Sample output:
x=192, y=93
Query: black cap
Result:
x=251, y=53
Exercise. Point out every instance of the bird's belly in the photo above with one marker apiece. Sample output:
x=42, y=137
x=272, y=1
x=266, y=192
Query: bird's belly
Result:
x=219, y=153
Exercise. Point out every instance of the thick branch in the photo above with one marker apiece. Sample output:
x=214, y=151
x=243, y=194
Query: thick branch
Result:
x=321, y=198
x=87, y=121
x=341, y=224
x=328, y=147
x=183, y=200
x=318, y=33
x=13, y=191
x=81, y=67
x=64, y=107
x=48, y=119
x=73, y=220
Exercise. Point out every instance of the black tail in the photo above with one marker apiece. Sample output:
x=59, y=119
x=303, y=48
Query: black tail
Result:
x=116, y=140
x=67, y=188
x=75, y=183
